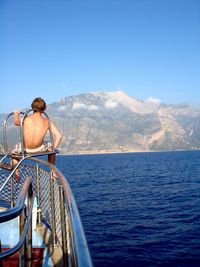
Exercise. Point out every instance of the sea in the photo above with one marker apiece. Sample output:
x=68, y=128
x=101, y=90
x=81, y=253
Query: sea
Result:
x=138, y=209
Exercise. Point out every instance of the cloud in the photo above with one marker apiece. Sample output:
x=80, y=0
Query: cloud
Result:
x=62, y=108
x=84, y=106
x=79, y=106
x=92, y=107
x=111, y=104
x=153, y=100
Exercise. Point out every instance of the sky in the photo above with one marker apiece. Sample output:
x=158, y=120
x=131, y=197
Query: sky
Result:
x=58, y=48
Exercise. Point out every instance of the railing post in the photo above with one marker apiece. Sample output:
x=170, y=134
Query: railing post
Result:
x=22, y=256
x=11, y=192
x=11, y=189
x=63, y=227
x=29, y=239
x=38, y=195
x=52, y=203
x=0, y=252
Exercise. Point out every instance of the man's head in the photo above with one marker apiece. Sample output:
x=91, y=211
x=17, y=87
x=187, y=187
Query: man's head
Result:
x=38, y=104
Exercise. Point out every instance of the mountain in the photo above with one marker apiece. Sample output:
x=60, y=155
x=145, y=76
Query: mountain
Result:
x=113, y=121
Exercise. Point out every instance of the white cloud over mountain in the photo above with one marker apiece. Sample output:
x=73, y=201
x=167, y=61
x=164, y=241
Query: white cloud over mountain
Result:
x=153, y=100
x=61, y=108
x=79, y=105
x=111, y=104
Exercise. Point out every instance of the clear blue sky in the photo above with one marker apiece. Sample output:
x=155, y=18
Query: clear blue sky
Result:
x=57, y=48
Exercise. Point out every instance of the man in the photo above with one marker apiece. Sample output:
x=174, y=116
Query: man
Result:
x=35, y=128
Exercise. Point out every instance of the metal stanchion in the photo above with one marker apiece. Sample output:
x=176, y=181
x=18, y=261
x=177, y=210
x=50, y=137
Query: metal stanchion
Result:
x=0, y=252
x=63, y=228
x=22, y=255
x=29, y=235
x=38, y=195
x=52, y=211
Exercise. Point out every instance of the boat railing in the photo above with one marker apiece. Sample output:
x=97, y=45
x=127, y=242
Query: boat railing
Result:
x=22, y=209
x=5, y=140
x=24, y=115
x=9, y=155
x=58, y=218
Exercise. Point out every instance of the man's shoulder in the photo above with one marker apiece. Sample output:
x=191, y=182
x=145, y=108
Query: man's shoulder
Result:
x=33, y=118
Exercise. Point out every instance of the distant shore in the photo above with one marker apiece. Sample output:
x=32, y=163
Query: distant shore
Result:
x=95, y=152
x=98, y=152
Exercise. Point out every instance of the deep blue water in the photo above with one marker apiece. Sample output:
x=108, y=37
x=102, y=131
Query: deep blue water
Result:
x=138, y=209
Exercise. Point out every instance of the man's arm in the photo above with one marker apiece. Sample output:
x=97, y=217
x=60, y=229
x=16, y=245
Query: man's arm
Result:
x=56, y=134
x=17, y=120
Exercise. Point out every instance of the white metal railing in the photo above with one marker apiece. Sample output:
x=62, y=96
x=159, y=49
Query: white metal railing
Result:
x=56, y=206
x=56, y=209
x=25, y=224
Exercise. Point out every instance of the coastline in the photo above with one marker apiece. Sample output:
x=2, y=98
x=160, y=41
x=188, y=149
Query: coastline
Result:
x=95, y=152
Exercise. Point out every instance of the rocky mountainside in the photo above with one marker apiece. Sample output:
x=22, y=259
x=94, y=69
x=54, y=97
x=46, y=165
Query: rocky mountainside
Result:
x=113, y=121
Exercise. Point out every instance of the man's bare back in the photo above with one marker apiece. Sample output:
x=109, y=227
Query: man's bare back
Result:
x=35, y=129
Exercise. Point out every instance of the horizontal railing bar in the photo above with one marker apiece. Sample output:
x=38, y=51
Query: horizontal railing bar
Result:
x=28, y=156
x=11, y=174
x=15, y=211
x=17, y=247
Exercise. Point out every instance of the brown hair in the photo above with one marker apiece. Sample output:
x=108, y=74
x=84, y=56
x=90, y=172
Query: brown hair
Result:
x=38, y=104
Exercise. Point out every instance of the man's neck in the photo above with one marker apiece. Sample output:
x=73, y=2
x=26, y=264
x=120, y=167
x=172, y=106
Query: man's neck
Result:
x=37, y=113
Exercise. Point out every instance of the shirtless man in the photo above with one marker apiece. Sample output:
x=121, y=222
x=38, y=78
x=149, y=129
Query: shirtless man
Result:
x=35, y=129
